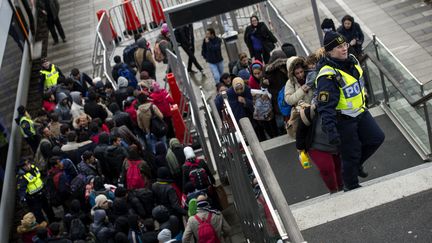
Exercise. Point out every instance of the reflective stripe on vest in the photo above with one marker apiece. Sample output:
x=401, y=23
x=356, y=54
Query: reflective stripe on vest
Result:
x=50, y=77
x=31, y=123
x=35, y=183
x=352, y=94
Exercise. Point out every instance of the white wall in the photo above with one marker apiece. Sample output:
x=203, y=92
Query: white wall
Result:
x=5, y=19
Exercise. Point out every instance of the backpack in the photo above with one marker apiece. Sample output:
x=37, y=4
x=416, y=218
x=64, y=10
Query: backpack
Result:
x=157, y=126
x=198, y=175
x=77, y=230
x=263, y=108
x=128, y=54
x=206, y=232
x=134, y=179
x=285, y=108
x=145, y=196
x=54, y=198
x=124, y=71
x=158, y=55
x=77, y=186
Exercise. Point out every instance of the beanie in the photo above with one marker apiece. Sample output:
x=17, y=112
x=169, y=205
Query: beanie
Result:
x=189, y=153
x=244, y=74
x=328, y=25
x=163, y=173
x=164, y=29
x=333, y=39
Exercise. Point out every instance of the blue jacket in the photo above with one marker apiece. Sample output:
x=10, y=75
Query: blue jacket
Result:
x=329, y=85
x=211, y=51
x=241, y=110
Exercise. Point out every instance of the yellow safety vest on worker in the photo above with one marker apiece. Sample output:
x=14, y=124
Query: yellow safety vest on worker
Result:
x=35, y=183
x=51, y=77
x=352, y=93
x=31, y=123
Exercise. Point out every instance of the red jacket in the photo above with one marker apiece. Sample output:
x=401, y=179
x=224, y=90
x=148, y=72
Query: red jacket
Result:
x=253, y=82
x=49, y=106
x=132, y=112
x=162, y=100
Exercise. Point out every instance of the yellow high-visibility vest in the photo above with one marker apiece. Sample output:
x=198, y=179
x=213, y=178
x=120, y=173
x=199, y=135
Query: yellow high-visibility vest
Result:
x=50, y=77
x=32, y=128
x=35, y=183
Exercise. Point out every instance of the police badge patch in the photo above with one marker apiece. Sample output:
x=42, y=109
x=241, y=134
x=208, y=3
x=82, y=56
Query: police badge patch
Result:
x=323, y=96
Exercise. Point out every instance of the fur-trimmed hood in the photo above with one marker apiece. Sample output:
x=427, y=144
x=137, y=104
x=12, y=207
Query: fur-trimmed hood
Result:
x=291, y=63
x=279, y=63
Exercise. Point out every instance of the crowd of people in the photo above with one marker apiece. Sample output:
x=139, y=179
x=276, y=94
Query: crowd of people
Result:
x=109, y=158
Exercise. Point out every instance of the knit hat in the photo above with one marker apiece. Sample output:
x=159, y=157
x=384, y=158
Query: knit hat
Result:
x=164, y=235
x=164, y=29
x=189, y=153
x=122, y=82
x=244, y=74
x=328, y=25
x=333, y=39
x=163, y=173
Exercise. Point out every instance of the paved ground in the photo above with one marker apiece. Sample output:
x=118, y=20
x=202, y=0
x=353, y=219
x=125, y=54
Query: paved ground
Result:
x=403, y=26
x=404, y=220
x=298, y=184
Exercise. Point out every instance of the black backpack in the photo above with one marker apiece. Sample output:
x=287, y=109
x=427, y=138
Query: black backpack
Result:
x=77, y=230
x=77, y=186
x=128, y=54
x=157, y=126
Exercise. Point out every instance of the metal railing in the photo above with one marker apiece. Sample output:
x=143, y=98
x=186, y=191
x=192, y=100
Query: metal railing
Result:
x=404, y=97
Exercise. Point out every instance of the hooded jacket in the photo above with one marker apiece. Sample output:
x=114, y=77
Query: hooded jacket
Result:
x=77, y=107
x=100, y=228
x=293, y=91
x=255, y=83
x=160, y=155
x=276, y=73
x=64, y=111
x=354, y=32
x=162, y=99
x=144, y=115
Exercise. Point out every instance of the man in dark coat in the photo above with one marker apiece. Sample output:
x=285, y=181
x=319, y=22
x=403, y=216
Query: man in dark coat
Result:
x=51, y=9
x=352, y=33
x=93, y=109
x=185, y=37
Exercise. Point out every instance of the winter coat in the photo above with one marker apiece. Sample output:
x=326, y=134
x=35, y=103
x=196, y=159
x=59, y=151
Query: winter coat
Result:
x=185, y=37
x=122, y=118
x=64, y=111
x=27, y=234
x=165, y=195
x=354, y=32
x=95, y=110
x=239, y=66
x=140, y=58
x=165, y=45
x=211, y=51
x=82, y=84
x=77, y=107
x=240, y=110
x=103, y=231
x=201, y=164
x=88, y=169
x=177, y=148
x=262, y=33
x=277, y=74
x=144, y=115
x=115, y=156
x=293, y=91
x=52, y=7
x=162, y=99
x=132, y=113
x=220, y=225
x=253, y=82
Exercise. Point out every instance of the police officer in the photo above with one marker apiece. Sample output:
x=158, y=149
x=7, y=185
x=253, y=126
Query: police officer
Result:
x=49, y=74
x=30, y=188
x=27, y=128
x=341, y=104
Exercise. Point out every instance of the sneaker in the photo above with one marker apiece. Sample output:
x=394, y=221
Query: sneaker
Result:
x=349, y=188
x=362, y=173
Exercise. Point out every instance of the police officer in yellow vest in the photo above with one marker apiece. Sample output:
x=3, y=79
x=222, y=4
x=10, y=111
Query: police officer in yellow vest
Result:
x=27, y=128
x=30, y=189
x=49, y=74
x=342, y=107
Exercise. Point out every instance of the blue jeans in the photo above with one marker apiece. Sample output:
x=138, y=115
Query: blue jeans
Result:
x=217, y=70
x=360, y=138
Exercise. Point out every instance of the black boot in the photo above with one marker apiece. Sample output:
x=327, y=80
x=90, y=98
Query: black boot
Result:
x=362, y=173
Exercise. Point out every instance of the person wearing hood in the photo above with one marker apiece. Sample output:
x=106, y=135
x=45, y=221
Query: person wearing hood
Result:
x=160, y=155
x=342, y=106
x=145, y=111
x=277, y=74
x=81, y=81
x=175, y=159
x=27, y=128
x=77, y=107
x=240, y=100
x=49, y=74
x=257, y=75
x=101, y=228
x=93, y=109
x=144, y=58
x=63, y=108
x=296, y=88
x=164, y=236
x=121, y=93
x=165, y=43
x=167, y=220
x=28, y=227
x=162, y=99
x=120, y=117
x=328, y=25
x=212, y=53
x=165, y=193
x=353, y=34
x=115, y=155
x=206, y=213
x=259, y=40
